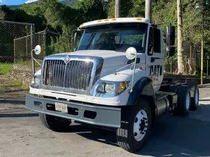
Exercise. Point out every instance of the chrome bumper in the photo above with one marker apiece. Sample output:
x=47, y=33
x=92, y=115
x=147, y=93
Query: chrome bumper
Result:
x=79, y=111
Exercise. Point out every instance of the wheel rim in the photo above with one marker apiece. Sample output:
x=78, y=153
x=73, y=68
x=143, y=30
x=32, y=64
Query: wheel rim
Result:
x=187, y=101
x=196, y=96
x=140, y=126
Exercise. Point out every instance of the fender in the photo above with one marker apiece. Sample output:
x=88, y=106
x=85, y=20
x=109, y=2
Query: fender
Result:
x=143, y=87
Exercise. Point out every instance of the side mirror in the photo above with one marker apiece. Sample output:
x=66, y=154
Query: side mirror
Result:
x=131, y=53
x=151, y=49
x=170, y=50
x=170, y=35
x=170, y=40
x=37, y=50
x=74, y=38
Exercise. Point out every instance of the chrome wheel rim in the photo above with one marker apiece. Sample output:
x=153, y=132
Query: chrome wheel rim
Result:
x=140, y=125
x=187, y=102
x=196, y=96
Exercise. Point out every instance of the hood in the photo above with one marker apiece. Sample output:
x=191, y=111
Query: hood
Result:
x=111, y=58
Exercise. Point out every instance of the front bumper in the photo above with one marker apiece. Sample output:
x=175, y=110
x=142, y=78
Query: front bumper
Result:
x=79, y=111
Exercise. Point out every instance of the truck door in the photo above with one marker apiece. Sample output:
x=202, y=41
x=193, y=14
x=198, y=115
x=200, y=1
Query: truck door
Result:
x=155, y=57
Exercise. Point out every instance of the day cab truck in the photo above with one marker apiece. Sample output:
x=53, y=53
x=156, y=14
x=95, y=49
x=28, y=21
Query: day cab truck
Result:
x=114, y=79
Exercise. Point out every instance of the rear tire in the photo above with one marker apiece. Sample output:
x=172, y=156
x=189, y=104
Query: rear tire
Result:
x=136, y=123
x=183, y=102
x=195, y=99
x=54, y=123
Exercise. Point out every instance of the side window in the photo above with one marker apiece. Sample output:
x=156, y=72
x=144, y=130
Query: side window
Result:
x=157, y=43
x=154, y=41
x=151, y=41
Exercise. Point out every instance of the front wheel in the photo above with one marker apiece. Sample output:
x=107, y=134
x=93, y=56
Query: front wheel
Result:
x=135, y=127
x=54, y=123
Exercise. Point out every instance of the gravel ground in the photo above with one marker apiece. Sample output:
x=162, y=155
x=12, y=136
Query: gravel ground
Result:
x=22, y=135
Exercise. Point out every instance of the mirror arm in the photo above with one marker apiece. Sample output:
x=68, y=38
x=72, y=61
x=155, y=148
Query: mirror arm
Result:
x=134, y=71
x=123, y=67
x=34, y=60
x=37, y=61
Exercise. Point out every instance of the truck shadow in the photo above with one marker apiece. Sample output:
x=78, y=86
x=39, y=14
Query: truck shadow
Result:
x=177, y=136
x=13, y=102
x=18, y=115
x=14, y=108
x=171, y=135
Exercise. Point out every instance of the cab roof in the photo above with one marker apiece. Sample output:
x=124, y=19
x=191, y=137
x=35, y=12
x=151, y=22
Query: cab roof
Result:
x=114, y=20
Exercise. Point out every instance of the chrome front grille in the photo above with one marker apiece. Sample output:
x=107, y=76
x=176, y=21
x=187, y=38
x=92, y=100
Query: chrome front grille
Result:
x=75, y=74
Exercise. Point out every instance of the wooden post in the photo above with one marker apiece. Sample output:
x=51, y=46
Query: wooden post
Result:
x=179, y=34
x=202, y=45
x=26, y=57
x=117, y=8
x=148, y=9
x=207, y=68
x=190, y=50
x=202, y=40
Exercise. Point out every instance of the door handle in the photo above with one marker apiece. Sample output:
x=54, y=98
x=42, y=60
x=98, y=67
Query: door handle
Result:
x=153, y=59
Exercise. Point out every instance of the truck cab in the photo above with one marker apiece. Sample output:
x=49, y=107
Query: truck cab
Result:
x=112, y=79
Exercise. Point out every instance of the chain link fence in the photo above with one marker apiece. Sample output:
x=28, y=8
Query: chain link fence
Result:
x=24, y=45
x=191, y=60
x=10, y=30
x=50, y=42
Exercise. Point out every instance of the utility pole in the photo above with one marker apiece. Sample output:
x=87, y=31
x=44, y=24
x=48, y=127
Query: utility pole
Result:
x=202, y=40
x=148, y=9
x=207, y=67
x=179, y=34
x=202, y=46
x=117, y=8
x=201, y=6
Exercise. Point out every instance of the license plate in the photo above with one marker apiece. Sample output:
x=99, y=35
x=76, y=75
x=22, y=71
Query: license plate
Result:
x=61, y=107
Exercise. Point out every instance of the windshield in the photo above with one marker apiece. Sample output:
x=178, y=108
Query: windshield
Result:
x=117, y=37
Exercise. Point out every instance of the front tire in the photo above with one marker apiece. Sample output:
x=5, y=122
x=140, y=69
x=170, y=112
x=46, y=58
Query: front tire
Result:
x=54, y=123
x=136, y=123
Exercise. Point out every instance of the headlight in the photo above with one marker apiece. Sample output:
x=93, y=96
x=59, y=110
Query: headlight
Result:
x=110, y=89
x=36, y=81
x=105, y=88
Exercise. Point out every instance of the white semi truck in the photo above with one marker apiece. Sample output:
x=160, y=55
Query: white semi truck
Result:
x=114, y=79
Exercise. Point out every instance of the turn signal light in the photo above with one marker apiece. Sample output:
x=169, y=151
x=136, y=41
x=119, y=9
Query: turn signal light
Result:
x=139, y=19
x=140, y=67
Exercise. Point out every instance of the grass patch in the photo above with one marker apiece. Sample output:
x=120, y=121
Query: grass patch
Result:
x=13, y=83
x=5, y=68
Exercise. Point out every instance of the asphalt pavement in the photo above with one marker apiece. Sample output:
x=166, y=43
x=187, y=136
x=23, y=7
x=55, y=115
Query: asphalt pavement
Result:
x=23, y=135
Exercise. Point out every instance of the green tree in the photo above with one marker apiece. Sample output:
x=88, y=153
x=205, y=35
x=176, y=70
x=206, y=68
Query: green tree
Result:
x=63, y=18
x=125, y=8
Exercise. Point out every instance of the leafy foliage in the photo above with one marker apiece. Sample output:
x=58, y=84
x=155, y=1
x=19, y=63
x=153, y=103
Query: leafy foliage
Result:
x=64, y=19
x=66, y=16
